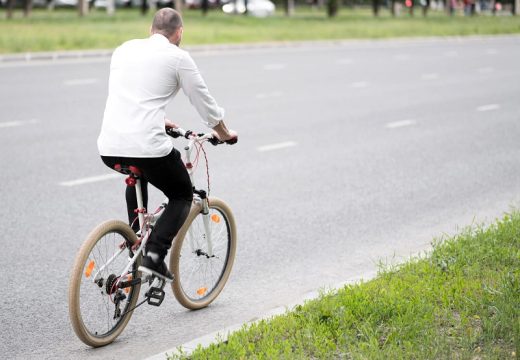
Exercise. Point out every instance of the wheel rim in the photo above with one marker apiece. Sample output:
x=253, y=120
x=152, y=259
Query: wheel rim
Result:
x=96, y=306
x=199, y=276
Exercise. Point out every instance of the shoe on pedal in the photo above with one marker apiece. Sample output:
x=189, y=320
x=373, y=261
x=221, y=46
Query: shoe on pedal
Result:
x=157, y=269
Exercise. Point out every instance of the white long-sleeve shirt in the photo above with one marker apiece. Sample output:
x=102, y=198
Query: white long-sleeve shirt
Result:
x=145, y=74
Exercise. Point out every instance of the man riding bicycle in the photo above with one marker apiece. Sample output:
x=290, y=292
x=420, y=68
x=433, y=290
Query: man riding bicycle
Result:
x=145, y=75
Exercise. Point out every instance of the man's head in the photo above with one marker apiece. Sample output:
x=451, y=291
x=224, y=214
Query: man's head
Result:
x=168, y=22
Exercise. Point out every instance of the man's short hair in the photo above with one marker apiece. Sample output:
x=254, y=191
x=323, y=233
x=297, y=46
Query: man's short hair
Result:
x=166, y=21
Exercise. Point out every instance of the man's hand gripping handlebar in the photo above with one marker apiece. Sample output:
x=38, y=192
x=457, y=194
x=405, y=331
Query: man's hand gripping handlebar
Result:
x=210, y=137
x=221, y=132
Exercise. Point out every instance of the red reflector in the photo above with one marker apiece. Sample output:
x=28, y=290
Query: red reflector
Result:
x=130, y=181
x=135, y=170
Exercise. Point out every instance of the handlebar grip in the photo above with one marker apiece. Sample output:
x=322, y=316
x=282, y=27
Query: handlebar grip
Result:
x=173, y=132
x=215, y=141
x=232, y=141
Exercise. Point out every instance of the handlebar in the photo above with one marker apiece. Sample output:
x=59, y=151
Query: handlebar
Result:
x=188, y=134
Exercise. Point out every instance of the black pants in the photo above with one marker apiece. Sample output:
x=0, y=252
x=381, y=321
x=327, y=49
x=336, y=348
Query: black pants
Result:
x=169, y=175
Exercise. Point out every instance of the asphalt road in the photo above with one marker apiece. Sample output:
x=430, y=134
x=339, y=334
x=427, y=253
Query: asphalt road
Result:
x=349, y=154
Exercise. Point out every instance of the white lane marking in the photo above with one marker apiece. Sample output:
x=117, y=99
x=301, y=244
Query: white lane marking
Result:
x=18, y=123
x=491, y=51
x=402, y=123
x=359, y=84
x=452, y=53
x=486, y=70
x=274, y=66
x=91, y=179
x=269, y=95
x=344, y=61
x=432, y=76
x=75, y=82
x=488, y=107
x=277, y=146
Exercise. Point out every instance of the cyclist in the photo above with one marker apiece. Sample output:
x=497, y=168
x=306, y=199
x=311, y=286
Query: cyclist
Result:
x=145, y=75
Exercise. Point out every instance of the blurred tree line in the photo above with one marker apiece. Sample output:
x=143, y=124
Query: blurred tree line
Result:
x=332, y=7
x=397, y=7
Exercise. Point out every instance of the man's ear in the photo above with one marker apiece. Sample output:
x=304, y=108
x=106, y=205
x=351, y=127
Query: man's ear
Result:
x=176, y=37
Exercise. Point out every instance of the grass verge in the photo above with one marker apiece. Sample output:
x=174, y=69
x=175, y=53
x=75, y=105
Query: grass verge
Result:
x=63, y=30
x=462, y=301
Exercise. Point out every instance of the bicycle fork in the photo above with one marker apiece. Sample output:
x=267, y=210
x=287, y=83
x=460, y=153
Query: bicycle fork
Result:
x=204, y=209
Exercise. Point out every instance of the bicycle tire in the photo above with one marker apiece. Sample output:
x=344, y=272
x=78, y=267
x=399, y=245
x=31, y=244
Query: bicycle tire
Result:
x=187, y=289
x=83, y=317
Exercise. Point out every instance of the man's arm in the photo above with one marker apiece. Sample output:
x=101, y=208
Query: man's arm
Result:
x=223, y=133
x=195, y=88
x=197, y=92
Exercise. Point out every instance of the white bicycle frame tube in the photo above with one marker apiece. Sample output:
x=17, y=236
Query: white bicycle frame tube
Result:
x=140, y=204
x=134, y=258
x=205, y=219
x=130, y=263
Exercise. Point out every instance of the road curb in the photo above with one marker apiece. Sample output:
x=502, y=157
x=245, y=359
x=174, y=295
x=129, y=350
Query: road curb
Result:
x=55, y=55
x=223, y=334
x=106, y=53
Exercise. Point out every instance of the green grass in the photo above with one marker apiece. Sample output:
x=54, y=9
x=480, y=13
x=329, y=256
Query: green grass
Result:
x=462, y=301
x=64, y=30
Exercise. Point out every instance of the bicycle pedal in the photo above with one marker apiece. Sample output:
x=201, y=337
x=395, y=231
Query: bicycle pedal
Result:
x=155, y=296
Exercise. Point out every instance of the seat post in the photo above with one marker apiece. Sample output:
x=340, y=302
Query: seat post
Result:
x=140, y=205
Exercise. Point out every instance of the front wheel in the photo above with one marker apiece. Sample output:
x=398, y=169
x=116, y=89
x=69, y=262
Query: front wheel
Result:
x=200, y=271
x=98, y=309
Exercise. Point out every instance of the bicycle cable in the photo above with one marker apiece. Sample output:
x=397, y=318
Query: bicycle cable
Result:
x=199, y=146
x=207, y=166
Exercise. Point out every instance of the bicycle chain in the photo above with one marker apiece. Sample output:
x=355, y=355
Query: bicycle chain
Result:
x=135, y=307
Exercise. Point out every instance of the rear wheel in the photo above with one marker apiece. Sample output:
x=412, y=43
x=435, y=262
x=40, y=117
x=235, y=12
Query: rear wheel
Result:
x=98, y=309
x=199, y=276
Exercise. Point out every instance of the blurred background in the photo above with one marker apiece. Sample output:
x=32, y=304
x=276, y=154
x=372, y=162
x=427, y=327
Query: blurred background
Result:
x=48, y=25
x=262, y=8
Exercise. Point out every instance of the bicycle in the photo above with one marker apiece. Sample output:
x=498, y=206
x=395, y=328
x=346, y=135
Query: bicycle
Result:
x=105, y=280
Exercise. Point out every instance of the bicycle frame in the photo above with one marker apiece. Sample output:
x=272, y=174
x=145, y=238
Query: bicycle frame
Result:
x=146, y=220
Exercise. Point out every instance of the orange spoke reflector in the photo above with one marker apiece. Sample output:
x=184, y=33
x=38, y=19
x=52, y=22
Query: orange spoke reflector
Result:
x=90, y=267
x=215, y=218
x=128, y=278
x=202, y=291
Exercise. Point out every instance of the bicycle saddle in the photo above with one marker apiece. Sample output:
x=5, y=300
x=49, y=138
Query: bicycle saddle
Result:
x=128, y=170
